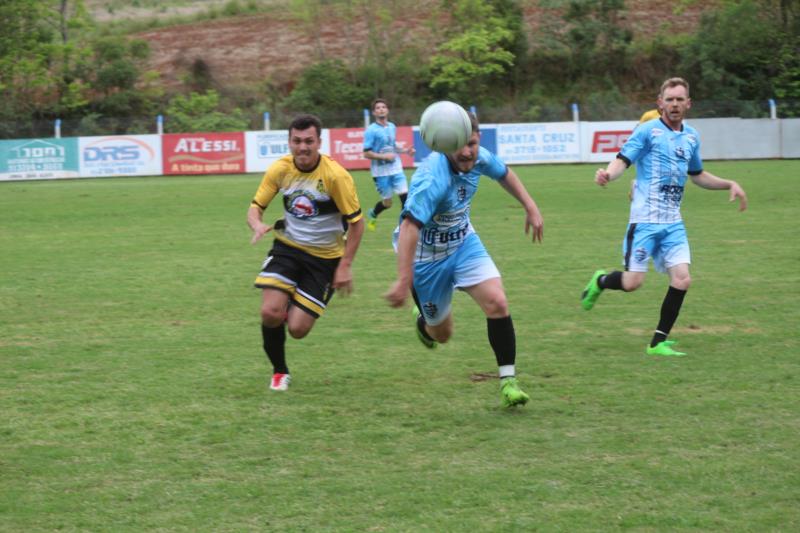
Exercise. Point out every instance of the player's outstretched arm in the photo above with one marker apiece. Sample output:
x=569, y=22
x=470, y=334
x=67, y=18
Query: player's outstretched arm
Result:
x=707, y=180
x=533, y=217
x=406, y=244
x=343, y=277
x=260, y=229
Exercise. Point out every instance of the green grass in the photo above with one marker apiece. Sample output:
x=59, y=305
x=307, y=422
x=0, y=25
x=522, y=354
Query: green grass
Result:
x=133, y=386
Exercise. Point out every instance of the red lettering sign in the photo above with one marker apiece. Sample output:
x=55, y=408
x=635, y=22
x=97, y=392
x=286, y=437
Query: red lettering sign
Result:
x=203, y=153
x=347, y=146
x=609, y=141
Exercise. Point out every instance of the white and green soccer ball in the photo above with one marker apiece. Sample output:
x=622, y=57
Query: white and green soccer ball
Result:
x=445, y=127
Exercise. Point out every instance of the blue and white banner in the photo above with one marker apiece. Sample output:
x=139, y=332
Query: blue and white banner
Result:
x=120, y=155
x=262, y=148
x=552, y=142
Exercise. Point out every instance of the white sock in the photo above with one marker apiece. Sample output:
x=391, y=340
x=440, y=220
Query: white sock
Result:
x=506, y=371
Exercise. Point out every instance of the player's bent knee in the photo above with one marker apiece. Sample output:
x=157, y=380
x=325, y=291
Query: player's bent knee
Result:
x=496, y=307
x=682, y=283
x=272, y=317
x=440, y=334
x=387, y=203
x=298, y=332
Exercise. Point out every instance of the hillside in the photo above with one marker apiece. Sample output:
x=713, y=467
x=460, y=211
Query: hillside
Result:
x=277, y=45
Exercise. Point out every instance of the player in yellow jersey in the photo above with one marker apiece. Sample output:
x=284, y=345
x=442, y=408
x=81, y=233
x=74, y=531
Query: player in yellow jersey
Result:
x=650, y=115
x=310, y=257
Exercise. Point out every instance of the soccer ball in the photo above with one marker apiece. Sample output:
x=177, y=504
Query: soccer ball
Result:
x=445, y=127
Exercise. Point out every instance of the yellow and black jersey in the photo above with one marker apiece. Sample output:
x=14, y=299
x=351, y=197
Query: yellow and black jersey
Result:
x=315, y=204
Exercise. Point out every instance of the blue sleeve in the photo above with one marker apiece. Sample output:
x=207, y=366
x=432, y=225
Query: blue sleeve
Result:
x=424, y=195
x=637, y=144
x=696, y=163
x=369, y=139
x=491, y=165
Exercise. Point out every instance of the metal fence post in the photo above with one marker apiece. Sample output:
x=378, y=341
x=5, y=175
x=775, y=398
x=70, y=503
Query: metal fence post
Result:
x=266, y=120
x=366, y=118
x=773, y=109
x=57, y=132
x=576, y=116
x=160, y=124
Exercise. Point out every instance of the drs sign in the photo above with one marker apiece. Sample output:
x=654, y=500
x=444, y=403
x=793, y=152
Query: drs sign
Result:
x=134, y=155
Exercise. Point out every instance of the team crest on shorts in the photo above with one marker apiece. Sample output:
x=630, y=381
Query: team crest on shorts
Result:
x=430, y=309
x=640, y=254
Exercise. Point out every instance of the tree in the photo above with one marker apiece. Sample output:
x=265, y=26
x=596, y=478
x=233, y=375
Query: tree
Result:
x=25, y=53
x=329, y=90
x=475, y=50
x=202, y=113
x=728, y=60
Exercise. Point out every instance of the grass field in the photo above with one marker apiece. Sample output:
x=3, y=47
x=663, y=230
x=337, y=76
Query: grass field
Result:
x=133, y=386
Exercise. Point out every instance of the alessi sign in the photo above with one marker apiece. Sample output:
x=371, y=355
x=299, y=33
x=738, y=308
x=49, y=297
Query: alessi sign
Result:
x=204, y=153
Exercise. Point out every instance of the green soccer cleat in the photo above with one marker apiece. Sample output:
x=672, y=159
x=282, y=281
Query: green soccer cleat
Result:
x=592, y=291
x=512, y=394
x=664, y=348
x=430, y=344
x=372, y=220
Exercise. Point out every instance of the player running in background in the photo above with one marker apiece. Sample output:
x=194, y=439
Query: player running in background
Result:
x=310, y=258
x=380, y=147
x=664, y=152
x=439, y=251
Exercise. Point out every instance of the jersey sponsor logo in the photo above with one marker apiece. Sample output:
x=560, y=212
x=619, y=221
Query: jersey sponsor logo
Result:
x=462, y=193
x=671, y=193
x=609, y=141
x=301, y=205
x=431, y=237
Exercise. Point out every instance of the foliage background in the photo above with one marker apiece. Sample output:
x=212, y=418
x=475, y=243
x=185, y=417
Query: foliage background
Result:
x=62, y=59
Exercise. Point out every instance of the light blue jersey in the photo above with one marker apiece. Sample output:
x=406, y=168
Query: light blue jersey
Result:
x=663, y=159
x=439, y=199
x=381, y=140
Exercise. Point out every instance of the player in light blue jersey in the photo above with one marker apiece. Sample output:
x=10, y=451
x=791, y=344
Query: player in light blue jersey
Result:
x=665, y=151
x=438, y=251
x=380, y=147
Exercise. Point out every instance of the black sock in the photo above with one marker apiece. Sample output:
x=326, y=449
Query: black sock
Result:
x=502, y=339
x=611, y=281
x=669, y=314
x=421, y=328
x=378, y=208
x=403, y=199
x=274, y=346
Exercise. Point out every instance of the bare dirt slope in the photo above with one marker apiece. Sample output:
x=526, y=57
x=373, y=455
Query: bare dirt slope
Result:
x=277, y=44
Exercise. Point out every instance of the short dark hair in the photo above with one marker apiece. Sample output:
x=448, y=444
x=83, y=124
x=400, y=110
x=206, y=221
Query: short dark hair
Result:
x=378, y=101
x=473, y=119
x=303, y=122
